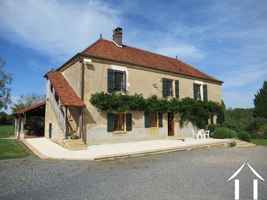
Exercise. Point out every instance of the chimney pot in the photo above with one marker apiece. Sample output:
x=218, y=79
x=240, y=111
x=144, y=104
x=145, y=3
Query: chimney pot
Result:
x=117, y=36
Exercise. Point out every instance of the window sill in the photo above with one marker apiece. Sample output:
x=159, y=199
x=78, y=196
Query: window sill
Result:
x=153, y=127
x=119, y=132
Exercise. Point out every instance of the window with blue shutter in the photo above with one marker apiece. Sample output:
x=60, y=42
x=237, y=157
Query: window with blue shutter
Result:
x=128, y=122
x=160, y=120
x=164, y=87
x=147, y=119
x=110, y=118
x=197, y=93
x=111, y=81
x=116, y=81
x=167, y=90
x=177, y=89
x=205, y=92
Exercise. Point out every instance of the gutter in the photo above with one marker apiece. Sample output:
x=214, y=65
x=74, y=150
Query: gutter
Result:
x=82, y=97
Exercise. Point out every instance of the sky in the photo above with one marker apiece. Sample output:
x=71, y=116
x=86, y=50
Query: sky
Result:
x=225, y=39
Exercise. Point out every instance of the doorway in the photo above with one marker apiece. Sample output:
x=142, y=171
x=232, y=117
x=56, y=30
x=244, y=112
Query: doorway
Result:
x=170, y=124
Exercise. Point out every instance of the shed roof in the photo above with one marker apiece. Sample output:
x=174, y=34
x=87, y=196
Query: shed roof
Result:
x=35, y=110
x=64, y=91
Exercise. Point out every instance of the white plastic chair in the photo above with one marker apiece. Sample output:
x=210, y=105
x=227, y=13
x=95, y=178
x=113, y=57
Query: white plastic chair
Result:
x=206, y=134
x=197, y=134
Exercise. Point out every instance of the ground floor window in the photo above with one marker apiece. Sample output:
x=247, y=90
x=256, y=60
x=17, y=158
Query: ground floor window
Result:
x=118, y=122
x=153, y=119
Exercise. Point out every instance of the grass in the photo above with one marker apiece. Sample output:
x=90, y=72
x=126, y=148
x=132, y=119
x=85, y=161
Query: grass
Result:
x=260, y=142
x=6, y=131
x=10, y=149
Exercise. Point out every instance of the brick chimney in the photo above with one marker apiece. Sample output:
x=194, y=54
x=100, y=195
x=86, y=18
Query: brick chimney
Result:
x=117, y=36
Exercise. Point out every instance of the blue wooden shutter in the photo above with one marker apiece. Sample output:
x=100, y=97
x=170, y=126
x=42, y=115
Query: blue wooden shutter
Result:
x=124, y=81
x=160, y=120
x=177, y=89
x=147, y=119
x=205, y=92
x=128, y=121
x=111, y=80
x=110, y=119
x=164, y=87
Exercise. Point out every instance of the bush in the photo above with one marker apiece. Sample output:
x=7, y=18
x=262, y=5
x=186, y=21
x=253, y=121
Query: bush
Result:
x=243, y=135
x=233, y=143
x=222, y=133
x=264, y=131
x=212, y=127
x=254, y=128
x=234, y=125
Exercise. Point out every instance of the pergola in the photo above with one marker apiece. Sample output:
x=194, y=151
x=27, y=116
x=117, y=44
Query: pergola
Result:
x=37, y=110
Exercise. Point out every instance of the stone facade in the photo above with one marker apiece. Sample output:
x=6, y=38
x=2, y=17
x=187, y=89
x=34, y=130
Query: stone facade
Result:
x=141, y=81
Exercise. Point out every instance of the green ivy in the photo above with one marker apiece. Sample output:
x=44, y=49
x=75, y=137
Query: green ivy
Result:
x=195, y=111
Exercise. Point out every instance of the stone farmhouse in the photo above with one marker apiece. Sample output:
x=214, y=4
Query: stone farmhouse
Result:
x=111, y=66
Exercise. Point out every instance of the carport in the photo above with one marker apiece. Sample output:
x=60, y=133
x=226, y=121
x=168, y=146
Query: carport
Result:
x=32, y=120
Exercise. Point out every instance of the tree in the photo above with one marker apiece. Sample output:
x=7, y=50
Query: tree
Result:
x=26, y=101
x=5, y=79
x=5, y=118
x=260, y=102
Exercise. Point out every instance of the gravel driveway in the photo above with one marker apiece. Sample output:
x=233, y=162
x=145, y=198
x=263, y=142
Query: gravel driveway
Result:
x=199, y=174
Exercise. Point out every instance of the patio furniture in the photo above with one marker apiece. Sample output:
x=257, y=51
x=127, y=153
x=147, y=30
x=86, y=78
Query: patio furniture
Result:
x=197, y=134
x=206, y=134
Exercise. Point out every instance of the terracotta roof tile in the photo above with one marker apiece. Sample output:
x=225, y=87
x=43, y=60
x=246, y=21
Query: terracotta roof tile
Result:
x=64, y=91
x=31, y=108
x=108, y=50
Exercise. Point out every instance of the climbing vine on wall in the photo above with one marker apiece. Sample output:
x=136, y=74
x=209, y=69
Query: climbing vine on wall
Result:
x=195, y=111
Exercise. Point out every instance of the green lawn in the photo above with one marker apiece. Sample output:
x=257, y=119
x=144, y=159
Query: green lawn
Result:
x=10, y=148
x=6, y=131
x=260, y=142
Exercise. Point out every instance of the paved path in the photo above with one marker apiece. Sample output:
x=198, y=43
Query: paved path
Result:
x=45, y=148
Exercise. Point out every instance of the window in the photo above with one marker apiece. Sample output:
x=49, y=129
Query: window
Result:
x=167, y=88
x=119, y=82
x=200, y=92
x=119, y=122
x=153, y=119
x=116, y=81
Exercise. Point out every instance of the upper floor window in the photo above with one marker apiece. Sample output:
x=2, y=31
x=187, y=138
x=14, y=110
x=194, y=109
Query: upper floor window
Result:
x=119, y=82
x=200, y=91
x=167, y=88
x=116, y=81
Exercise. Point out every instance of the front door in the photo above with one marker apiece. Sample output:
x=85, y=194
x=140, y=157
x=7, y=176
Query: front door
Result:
x=170, y=124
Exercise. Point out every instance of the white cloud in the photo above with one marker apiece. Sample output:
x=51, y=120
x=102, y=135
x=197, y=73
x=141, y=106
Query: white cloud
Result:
x=56, y=28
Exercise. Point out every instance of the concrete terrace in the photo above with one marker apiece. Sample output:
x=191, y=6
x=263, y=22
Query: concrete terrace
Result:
x=46, y=149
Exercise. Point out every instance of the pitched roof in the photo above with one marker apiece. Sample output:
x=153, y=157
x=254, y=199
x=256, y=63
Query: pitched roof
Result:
x=64, y=91
x=31, y=108
x=109, y=50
